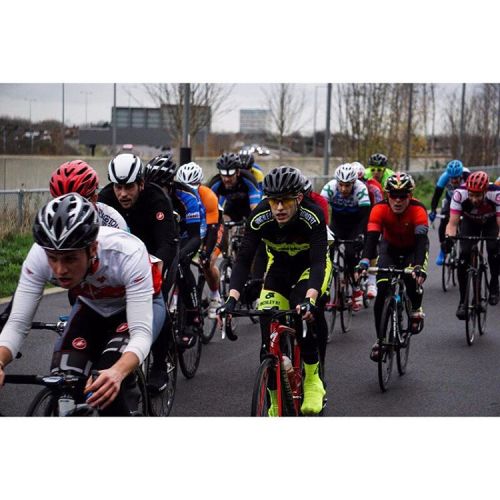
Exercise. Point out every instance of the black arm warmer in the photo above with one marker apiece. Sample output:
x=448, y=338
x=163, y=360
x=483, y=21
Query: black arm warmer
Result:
x=211, y=237
x=435, y=198
x=190, y=247
x=370, y=248
x=421, y=247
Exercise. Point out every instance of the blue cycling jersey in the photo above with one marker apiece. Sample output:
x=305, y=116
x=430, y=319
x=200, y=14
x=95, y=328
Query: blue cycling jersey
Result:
x=185, y=202
x=444, y=182
x=203, y=216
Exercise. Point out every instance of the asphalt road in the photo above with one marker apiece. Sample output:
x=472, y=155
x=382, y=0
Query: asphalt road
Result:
x=445, y=377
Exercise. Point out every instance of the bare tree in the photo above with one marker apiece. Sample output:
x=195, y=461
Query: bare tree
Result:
x=286, y=106
x=206, y=100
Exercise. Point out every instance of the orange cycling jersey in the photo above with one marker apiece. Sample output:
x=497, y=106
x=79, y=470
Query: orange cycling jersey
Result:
x=399, y=230
x=211, y=204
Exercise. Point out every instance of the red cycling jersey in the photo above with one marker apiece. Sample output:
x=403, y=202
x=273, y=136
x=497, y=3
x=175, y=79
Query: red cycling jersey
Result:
x=323, y=204
x=398, y=230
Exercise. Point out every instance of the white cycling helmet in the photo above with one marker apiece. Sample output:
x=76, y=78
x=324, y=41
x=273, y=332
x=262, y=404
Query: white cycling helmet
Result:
x=125, y=168
x=190, y=173
x=359, y=169
x=346, y=172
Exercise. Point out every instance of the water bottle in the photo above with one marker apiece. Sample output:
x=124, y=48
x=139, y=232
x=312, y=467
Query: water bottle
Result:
x=66, y=404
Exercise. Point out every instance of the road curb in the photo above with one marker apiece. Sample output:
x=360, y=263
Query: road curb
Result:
x=48, y=291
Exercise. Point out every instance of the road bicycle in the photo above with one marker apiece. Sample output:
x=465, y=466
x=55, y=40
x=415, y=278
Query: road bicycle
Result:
x=477, y=288
x=450, y=265
x=396, y=326
x=226, y=267
x=281, y=368
x=189, y=357
x=342, y=289
x=63, y=391
x=209, y=325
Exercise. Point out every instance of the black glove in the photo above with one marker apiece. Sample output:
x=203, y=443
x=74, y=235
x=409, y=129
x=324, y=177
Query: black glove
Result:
x=204, y=258
x=307, y=306
x=228, y=306
x=447, y=245
x=419, y=272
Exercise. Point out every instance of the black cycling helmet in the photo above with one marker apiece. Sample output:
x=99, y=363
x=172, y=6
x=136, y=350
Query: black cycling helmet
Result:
x=69, y=222
x=282, y=181
x=246, y=159
x=377, y=160
x=228, y=163
x=161, y=170
x=307, y=185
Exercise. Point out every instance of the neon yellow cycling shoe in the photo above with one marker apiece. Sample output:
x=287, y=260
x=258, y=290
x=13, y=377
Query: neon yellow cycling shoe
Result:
x=314, y=392
x=273, y=410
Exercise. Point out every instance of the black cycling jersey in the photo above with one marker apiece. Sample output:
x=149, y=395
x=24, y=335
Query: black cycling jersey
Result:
x=151, y=219
x=298, y=245
x=237, y=200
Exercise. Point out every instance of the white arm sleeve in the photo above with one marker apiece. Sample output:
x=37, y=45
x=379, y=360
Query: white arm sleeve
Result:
x=35, y=273
x=139, y=294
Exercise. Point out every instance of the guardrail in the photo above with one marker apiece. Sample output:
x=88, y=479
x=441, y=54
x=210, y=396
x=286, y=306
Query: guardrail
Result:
x=21, y=203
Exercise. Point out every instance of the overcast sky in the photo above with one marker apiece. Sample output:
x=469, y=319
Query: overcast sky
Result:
x=45, y=101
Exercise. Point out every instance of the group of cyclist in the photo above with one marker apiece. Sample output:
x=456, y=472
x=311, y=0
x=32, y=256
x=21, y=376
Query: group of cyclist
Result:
x=119, y=251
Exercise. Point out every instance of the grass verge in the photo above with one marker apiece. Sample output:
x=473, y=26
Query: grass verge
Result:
x=13, y=251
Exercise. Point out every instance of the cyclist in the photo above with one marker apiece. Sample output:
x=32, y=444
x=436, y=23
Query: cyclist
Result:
x=298, y=272
x=148, y=213
x=109, y=272
x=350, y=204
x=402, y=222
x=378, y=169
x=236, y=188
x=317, y=198
x=161, y=170
x=77, y=176
x=248, y=163
x=376, y=193
x=454, y=175
x=192, y=175
x=479, y=205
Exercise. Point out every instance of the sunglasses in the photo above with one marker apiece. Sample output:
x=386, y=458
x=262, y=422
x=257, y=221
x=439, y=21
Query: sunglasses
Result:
x=286, y=202
x=227, y=173
x=399, y=196
x=378, y=169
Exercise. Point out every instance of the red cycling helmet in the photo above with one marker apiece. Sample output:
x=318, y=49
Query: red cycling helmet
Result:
x=74, y=177
x=478, y=182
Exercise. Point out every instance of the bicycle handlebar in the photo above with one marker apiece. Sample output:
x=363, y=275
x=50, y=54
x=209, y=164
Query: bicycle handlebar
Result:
x=232, y=223
x=473, y=238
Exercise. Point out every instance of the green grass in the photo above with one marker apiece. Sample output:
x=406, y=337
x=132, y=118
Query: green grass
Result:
x=424, y=190
x=13, y=251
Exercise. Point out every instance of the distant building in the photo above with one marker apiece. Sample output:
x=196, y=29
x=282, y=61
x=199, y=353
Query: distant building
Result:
x=255, y=121
x=146, y=126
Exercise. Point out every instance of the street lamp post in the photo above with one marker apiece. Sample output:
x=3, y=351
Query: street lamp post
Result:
x=30, y=100
x=315, y=115
x=86, y=93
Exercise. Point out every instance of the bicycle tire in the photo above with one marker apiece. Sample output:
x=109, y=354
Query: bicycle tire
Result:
x=470, y=309
x=44, y=404
x=189, y=359
x=454, y=257
x=346, y=305
x=260, y=396
x=386, y=347
x=403, y=350
x=143, y=407
x=225, y=276
x=288, y=407
x=209, y=325
x=161, y=403
x=334, y=300
x=482, y=297
x=445, y=273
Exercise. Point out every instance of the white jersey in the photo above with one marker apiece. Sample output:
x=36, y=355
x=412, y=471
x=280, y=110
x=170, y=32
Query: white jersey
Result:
x=119, y=279
x=358, y=198
x=109, y=216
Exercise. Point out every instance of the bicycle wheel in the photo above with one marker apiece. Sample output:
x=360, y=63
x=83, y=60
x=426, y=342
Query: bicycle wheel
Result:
x=403, y=348
x=453, y=265
x=446, y=272
x=386, y=345
x=470, y=308
x=260, y=395
x=189, y=359
x=161, y=403
x=209, y=325
x=44, y=404
x=482, y=292
x=225, y=277
x=333, y=306
x=142, y=407
x=345, y=301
